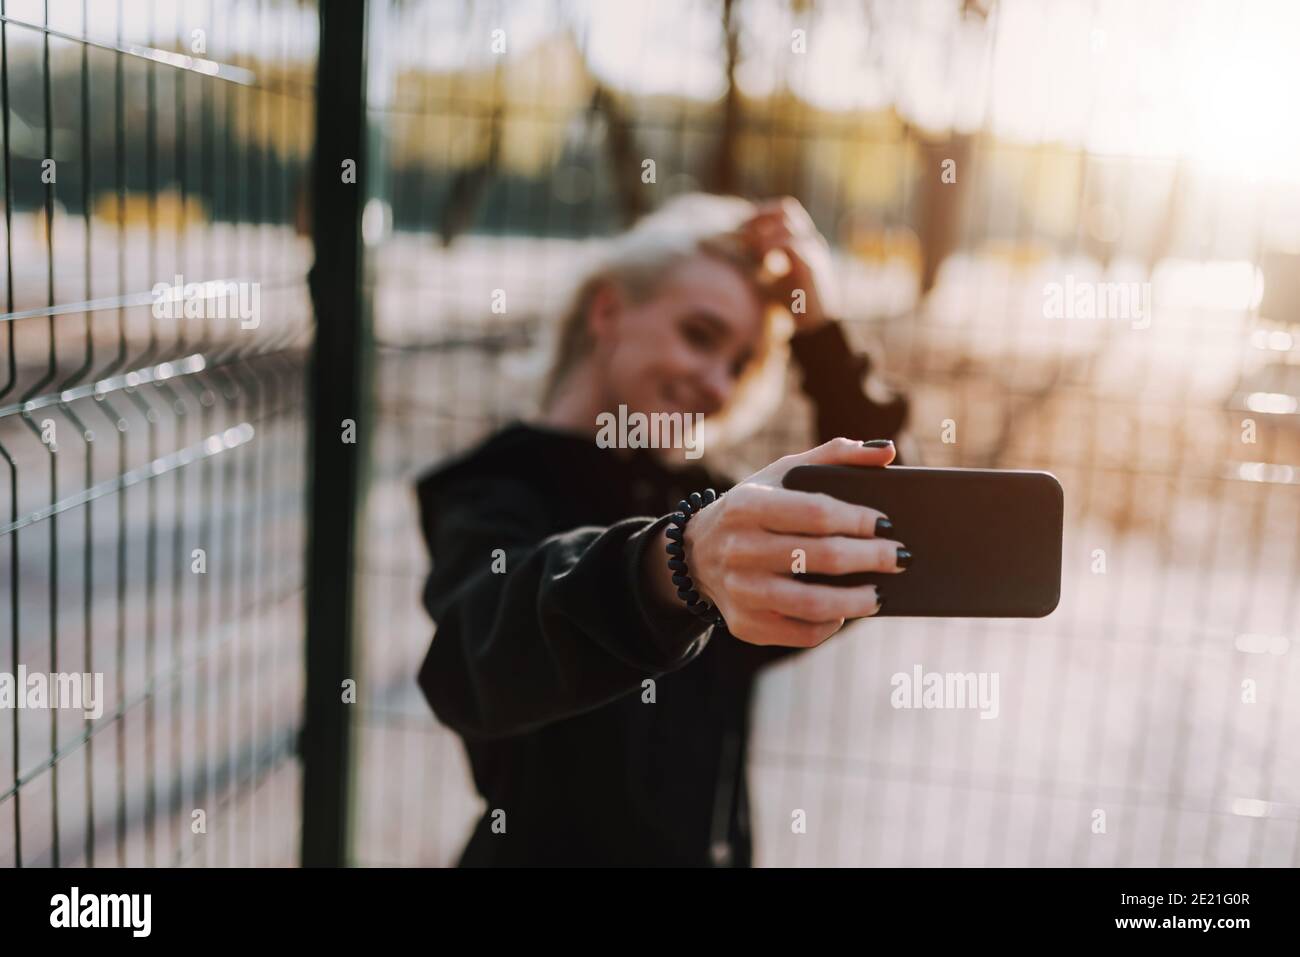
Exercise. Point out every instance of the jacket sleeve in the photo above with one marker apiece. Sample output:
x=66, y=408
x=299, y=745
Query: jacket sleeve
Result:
x=833, y=377
x=534, y=627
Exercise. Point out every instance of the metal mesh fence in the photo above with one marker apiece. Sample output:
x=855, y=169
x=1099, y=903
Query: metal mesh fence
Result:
x=1160, y=698
x=152, y=427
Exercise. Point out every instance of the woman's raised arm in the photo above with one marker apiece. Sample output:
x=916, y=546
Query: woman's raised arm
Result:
x=834, y=378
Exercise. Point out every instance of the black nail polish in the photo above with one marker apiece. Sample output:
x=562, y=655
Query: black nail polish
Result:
x=878, y=443
x=904, y=558
x=883, y=527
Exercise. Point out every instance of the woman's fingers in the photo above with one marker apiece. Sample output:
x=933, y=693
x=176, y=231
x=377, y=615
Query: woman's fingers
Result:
x=771, y=628
x=766, y=240
x=843, y=451
x=819, y=555
x=786, y=211
x=806, y=601
x=829, y=555
x=803, y=513
x=769, y=227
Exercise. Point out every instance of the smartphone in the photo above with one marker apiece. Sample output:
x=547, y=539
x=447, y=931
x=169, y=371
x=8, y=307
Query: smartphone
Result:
x=985, y=543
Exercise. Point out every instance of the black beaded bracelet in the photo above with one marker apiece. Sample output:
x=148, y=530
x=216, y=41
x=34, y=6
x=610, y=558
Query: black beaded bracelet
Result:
x=676, y=532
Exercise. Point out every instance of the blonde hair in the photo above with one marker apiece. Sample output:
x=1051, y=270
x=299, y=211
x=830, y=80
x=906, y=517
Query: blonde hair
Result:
x=638, y=261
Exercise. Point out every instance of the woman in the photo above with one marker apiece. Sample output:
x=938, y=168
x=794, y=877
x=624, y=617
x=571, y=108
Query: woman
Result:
x=605, y=722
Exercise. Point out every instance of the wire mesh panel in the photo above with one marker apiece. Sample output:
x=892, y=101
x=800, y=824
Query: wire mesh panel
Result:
x=151, y=428
x=1066, y=230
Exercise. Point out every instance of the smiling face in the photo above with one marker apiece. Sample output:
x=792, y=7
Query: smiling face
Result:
x=684, y=349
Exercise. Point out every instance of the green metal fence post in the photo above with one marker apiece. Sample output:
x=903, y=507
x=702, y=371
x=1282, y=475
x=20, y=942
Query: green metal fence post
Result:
x=338, y=393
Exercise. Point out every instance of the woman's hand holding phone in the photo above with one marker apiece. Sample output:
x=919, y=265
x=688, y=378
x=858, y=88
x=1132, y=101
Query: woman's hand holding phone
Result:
x=747, y=550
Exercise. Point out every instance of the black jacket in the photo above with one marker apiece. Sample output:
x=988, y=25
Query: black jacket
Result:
x=600, y=729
